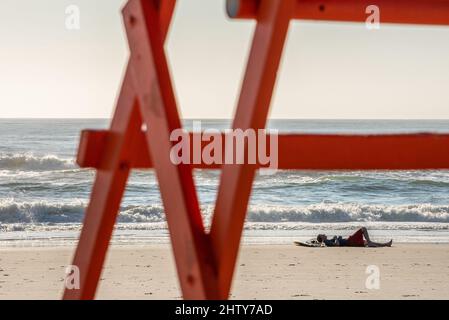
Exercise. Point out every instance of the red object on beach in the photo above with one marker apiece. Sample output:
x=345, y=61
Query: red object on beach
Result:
x=206, y=261
x=356, y=239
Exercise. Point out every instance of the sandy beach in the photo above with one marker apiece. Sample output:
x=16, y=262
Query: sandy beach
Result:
x=407, y=271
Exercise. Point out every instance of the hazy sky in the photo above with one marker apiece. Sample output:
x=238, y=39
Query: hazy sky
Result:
x=329, y=70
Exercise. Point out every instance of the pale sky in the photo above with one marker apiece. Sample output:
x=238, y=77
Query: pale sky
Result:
x=329, y=70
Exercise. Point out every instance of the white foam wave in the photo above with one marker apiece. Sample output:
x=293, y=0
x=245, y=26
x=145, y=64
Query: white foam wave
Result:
x=320, y=213
x=40, y=212
x=28, y=162
x=44, y=212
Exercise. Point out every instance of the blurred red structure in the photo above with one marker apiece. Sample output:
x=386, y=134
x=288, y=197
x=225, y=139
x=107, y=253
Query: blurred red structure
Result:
x=206, y=261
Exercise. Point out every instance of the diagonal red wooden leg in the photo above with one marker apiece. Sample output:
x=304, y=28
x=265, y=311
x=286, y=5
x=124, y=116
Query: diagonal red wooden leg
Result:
x=152, y=83
x=106, y=195
x=273, y=20
x=110, y=181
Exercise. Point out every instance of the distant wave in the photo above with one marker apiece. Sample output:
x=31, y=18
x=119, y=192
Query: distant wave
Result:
x=48, y=212
x=58, y=213
x=329, y=213
x=362, y=181
x=26, y=162
x=41, y=212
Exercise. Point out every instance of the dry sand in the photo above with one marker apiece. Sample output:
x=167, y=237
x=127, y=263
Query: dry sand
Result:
x=411, y=271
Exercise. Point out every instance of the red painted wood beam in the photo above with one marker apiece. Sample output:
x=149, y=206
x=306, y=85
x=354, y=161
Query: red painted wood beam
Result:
x=308, y=152
x=153, y=87
x=110, y=181
x=391, y=11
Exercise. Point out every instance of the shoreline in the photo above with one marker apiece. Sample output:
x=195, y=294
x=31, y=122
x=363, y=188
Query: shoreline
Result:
x=407, y=271
x=284, y=233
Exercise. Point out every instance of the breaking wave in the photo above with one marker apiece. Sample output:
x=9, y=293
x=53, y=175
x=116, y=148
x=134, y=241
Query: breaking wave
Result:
x=328, y=213
x=26, y=162
x=65, y=213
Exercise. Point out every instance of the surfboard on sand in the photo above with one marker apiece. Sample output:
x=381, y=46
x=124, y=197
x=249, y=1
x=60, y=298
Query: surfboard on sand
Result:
x=309, y=244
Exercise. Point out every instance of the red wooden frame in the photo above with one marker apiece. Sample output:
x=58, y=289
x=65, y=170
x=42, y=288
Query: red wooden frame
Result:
x=433, y=12
x=206, y=261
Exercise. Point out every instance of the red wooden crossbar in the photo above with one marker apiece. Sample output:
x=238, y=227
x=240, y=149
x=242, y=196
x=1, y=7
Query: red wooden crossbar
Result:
x=206, y=261
x=305, y=152
x=433, y=12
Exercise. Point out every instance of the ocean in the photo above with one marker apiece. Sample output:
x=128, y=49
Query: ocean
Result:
x=43, y=194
